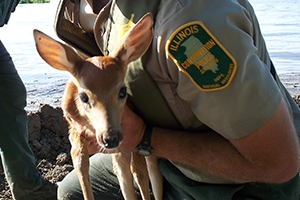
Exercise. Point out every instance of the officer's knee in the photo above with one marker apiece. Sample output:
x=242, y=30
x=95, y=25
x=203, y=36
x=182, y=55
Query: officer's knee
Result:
x=69, y=188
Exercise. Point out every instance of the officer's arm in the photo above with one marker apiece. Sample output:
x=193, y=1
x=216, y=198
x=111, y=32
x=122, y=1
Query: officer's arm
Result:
x=270, y=154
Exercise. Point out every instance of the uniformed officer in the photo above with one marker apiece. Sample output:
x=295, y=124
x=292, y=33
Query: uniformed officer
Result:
x=223, y=124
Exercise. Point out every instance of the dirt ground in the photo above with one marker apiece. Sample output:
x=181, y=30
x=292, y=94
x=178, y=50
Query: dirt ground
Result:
x=48, y=135
x=48, y=138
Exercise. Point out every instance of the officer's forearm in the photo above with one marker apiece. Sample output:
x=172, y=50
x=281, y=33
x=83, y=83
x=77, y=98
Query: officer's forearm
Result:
x=211, y=153
x=206, y=151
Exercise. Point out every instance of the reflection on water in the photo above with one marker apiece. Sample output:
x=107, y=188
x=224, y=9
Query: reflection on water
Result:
x=280, y=25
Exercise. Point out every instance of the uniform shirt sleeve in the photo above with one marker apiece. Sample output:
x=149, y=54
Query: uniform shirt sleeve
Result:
x=252, y=96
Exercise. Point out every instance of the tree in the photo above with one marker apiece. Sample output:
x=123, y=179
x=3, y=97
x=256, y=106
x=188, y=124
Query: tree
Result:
x=34, y=1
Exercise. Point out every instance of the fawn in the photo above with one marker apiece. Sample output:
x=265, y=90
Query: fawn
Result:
x=95, y=97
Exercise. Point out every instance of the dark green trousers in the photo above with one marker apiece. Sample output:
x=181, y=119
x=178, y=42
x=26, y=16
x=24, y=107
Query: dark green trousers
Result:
x=17, y=157
x=176, y=185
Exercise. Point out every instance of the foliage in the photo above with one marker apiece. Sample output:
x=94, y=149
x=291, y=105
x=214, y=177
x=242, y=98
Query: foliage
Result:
x=34, y=1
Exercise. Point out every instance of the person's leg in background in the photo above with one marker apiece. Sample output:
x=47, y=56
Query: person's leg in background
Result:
x=16, y=155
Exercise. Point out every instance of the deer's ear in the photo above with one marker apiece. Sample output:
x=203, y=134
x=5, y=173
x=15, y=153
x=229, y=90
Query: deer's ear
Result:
x=56, y=54
x=136, y=41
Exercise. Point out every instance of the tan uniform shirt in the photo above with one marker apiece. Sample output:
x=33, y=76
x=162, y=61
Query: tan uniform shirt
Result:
x=211, y=64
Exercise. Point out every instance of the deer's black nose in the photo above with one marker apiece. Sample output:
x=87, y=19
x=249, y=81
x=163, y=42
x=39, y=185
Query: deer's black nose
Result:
x=111, y=141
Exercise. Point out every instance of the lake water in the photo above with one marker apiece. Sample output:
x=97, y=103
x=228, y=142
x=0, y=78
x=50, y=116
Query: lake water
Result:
x=280, y=25
x=17, y=37
x=279, y=21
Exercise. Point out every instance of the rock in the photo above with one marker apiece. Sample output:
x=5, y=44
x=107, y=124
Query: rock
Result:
x=48, y=139
x=34, y=126
x=53, y=120
x=37, y=145
x=62, y=158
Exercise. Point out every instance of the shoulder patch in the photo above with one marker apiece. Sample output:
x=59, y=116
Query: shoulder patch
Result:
x=197, y=53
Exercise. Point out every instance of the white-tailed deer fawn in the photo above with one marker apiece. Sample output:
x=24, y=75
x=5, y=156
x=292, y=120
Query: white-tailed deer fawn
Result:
x=95, y=97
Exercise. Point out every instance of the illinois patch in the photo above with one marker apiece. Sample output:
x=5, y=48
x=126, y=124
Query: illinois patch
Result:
x=201, y=56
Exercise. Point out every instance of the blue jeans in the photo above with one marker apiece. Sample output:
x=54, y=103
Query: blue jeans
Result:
x=17, y=157
x=176, y=185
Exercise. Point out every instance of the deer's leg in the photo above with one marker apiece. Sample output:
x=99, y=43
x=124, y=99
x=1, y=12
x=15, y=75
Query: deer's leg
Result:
x=156, y=177
x=140, y=173
x=121, y=165
x=80, y=158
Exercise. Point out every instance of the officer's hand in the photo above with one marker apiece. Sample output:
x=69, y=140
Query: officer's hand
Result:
x=132, y=126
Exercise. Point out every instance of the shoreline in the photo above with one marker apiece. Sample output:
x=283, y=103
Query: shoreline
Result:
x=39, y=94
x=51, y=93
x=291, y=81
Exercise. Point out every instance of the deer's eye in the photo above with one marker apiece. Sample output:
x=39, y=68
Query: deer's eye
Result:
x=84, y=97
x=123, y=93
